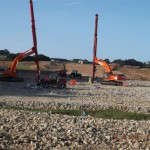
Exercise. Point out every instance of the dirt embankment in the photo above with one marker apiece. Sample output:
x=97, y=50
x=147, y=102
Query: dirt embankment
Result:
x=39, y=130
x=132, y=73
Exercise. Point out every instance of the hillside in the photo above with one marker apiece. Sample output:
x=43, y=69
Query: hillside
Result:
x=133, y=73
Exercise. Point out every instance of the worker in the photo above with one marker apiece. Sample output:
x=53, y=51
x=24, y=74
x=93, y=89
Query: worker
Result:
x=90, y=80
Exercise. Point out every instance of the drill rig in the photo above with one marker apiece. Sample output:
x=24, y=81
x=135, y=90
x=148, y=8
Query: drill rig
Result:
x=109, y=77
x=10, y=73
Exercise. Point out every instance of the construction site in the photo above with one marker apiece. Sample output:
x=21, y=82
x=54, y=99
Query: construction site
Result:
x=72, y=106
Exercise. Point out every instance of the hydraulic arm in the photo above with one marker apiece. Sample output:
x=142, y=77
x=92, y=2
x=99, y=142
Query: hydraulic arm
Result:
x=109, y=77
x=10, y=74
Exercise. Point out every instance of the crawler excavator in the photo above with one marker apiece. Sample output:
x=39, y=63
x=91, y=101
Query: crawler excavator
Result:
x=10, y=73
x=109, y=77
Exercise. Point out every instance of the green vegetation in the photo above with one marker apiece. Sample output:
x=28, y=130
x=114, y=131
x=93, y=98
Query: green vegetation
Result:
x=118, y=114
x=107, y=114
x=3, y=57
x=132, y=62
x=5, y=54
x=23, y=66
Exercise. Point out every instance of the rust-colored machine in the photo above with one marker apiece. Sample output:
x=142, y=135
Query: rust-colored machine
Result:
x=35, y=43
x=95, y=47
x=10, y=73
x=109, y=77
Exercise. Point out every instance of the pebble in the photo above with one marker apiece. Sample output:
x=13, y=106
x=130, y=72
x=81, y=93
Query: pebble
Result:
x=61, y=133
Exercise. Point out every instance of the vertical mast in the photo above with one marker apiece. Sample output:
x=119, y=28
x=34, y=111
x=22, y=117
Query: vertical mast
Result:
x=95, y=47
x=34, y=41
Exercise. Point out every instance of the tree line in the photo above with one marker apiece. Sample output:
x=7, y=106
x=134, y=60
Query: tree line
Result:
x=131, y=62
x=12, y=56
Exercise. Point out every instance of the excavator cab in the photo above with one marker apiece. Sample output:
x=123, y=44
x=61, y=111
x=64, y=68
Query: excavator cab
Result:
x=107, y=74
x=121, y=77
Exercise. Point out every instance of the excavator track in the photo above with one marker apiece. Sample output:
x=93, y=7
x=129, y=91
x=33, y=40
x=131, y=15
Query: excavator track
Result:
x=117, y=83
x=11, y=79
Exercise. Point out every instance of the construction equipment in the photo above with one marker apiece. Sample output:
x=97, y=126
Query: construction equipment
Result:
x=75, y=74
x=10, y=73
x=35, y=43
x=55, y=81
x=95, y=47
x=109, y=77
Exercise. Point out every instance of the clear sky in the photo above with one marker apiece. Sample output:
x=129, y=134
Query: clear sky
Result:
x=65, y=28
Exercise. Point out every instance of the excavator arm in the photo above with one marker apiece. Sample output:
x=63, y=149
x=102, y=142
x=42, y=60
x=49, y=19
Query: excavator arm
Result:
x=103, y=64
x=20, y=57
x=11, y=73
x=110, y=78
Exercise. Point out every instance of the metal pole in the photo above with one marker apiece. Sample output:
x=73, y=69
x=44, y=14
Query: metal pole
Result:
x=95, y=47
x=34, y=41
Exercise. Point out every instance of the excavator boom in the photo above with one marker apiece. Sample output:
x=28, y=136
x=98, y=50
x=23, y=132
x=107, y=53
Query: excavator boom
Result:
x=10, y=74
x=104, y=64
x=109, y=77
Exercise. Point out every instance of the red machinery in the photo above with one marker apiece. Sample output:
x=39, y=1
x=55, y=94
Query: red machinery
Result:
x=34, y=41
x=56, y=80
x=109, y=77
x=95, y=47
x=10, y=74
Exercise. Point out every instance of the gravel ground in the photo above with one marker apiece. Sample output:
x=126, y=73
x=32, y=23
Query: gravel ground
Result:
x=134, y=97
x=28, y=130
x=23, y=130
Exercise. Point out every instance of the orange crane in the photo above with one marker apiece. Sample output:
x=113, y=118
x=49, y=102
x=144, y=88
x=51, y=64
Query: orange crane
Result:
x=109, y=77
x=10, y=74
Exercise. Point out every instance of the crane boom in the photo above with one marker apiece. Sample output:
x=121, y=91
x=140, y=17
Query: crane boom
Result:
x=10, y=74
x=95, y=47
x=109, y=77
x=34, y=41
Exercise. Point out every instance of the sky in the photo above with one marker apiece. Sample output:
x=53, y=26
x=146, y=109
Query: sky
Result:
x=65, y=28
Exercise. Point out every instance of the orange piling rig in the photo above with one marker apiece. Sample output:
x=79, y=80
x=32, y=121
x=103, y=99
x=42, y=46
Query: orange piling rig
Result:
x=95, y=47
x=109, y=77
x=35, y=42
